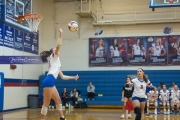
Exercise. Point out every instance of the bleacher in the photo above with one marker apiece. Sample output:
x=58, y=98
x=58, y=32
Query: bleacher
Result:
x=109, y=83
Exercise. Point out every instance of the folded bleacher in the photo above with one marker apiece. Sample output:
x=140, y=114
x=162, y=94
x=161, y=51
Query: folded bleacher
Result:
x=109, y=83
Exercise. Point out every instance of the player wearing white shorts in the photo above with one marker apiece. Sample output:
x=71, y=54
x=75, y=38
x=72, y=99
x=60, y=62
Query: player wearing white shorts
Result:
x=139, y=94
x=49, y=88
x=156, y=48
x=152, y=99
x=164, y=97
x=175, y=95
x=114, y=49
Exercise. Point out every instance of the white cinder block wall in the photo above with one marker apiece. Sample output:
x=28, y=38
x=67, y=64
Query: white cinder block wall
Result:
x=74, y=51
x=16, y=97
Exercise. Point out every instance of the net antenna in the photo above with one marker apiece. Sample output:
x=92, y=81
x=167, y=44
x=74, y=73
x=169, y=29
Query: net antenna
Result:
x=32, y=19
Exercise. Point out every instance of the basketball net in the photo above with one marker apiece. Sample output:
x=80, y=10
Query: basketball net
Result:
x=32, y=19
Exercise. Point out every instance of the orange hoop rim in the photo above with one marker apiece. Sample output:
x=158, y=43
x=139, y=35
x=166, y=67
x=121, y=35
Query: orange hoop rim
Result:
x=29, y=17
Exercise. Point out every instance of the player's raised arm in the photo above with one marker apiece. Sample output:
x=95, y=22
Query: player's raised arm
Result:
x=59, y=41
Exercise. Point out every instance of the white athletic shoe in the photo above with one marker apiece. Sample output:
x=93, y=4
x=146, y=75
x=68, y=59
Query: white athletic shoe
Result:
x=155, y=111
x=66, y=105
x=129, y=116
x=122, y=116
x=52, y=107
x=167, y=112
x=63, y=107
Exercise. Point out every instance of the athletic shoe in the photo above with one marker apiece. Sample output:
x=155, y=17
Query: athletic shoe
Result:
x=129, y=116
x=155, y=111
x=61, y=118
x=167, y=113
x=63, y=107
x=172, y=112
x=66, y=105
x=122, y=117
x=159, y=111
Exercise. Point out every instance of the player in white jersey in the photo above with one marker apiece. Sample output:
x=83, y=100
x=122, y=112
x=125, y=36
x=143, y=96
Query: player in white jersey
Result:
x=164, y=98
x=156, y=48
x=138, y=49
x=175, y=95
x=177, y=46
x=49, y=89
x=139, y=94
x=152, y=99
x=99, y=51
x=114, y=49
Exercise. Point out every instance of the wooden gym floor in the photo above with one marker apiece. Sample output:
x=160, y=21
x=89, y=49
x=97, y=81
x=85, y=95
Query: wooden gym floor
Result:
x=77, y=114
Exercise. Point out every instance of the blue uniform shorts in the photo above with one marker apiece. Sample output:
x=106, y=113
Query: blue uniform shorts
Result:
x=140, y=99
x=48, y=81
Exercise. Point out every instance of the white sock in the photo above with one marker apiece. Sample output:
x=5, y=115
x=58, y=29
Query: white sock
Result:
x=62, y=116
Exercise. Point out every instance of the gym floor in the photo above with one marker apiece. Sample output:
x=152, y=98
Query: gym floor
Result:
x=77, y=114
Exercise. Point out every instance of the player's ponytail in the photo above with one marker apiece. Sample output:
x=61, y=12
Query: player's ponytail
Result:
x=145, y=78
x=45, y=54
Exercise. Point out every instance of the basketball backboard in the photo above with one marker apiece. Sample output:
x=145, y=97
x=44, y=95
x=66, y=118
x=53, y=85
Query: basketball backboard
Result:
x=164, y=3
x=12, y=9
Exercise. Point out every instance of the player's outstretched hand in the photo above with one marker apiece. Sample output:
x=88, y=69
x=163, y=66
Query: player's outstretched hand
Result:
x=76, y=77
x=60, y=29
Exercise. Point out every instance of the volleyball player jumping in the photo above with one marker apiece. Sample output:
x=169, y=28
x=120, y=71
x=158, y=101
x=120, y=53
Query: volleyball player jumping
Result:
x=49, y=89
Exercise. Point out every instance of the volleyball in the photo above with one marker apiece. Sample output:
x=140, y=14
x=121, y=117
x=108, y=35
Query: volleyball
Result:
x=73, y=26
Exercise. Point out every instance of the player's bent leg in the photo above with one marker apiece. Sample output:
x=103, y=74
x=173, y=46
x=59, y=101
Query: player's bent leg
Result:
x=124, y=108
x=172, y=106
x=177, y=111
x=155, y=104
x=129, y=112
x=164, y=106
x=137, y=109
x=56, y=98
x=47, y=92
x=147, y=106
x=168, y=106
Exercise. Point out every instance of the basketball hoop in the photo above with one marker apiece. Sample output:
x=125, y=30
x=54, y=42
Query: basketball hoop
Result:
x=32, y=19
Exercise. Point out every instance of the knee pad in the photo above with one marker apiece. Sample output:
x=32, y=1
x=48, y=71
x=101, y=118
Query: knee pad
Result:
x=137, y=111
x=44, y=110
x=59, y=107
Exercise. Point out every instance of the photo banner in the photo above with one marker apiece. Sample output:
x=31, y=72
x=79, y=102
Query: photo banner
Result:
x=137, y=47
x=174, y=50
x=135, y=51
x=98, y=51
x=157, y=50
x=8, y=36
x=117, y=49
x=18, y=41
x=1, y=34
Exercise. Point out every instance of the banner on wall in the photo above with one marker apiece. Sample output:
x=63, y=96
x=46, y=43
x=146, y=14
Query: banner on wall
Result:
x=18, y=41
x=35, y=43
x=27, y=42
x=174, y=50
x=116, y=52
x=8, y=36
x=137, y=47
x=135, y=51
x=98, y=52
x=1, y=91
x=1, y=34
x=157, y=50
x=20, y=60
